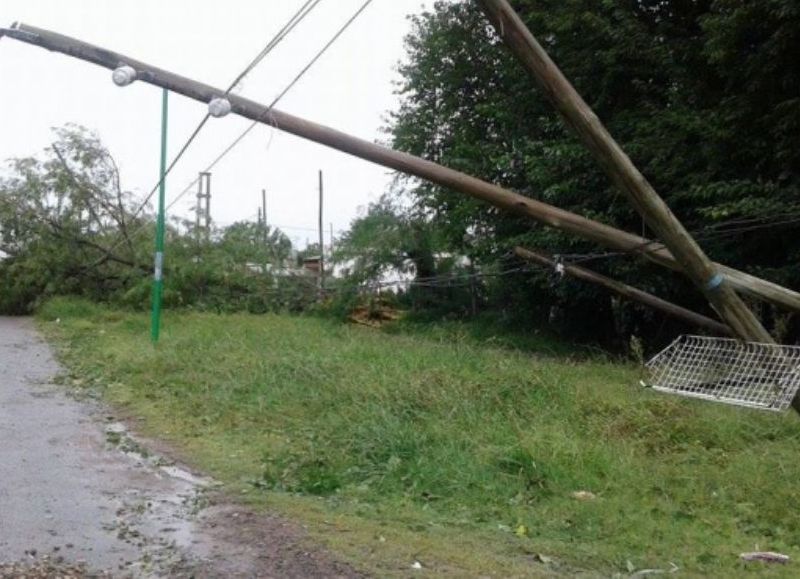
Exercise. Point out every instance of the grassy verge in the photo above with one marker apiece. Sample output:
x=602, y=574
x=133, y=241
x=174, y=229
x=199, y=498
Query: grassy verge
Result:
x=444, y=449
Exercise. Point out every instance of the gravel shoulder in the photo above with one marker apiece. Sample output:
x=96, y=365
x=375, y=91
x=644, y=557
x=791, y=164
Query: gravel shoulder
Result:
x=81, y=496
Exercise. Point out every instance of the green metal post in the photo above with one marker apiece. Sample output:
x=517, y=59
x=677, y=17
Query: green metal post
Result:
x=158, y=276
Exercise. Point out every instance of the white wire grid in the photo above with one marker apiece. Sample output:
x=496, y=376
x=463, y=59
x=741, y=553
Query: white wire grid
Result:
x=763, y=376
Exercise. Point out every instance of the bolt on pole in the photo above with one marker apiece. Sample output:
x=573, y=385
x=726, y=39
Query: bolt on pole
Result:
x=158, y=276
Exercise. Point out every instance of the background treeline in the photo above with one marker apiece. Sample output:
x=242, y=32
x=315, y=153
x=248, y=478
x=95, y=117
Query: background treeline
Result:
x=705, y=97
x=703, y=94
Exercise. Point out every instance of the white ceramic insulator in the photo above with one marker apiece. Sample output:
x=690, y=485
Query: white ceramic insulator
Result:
x=124, y=75
x=219, y=107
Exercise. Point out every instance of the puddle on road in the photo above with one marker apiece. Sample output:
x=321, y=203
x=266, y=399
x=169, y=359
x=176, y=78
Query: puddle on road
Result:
x=161, y=520
x=186, y=476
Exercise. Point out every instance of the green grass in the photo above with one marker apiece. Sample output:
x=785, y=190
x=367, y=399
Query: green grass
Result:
x=449, y=447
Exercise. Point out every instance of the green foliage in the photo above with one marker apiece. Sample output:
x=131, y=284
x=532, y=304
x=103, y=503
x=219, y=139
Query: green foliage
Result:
x=388, y=243
x=469, y=452
x=247, y=242
x=392, y=242
x=703, y=96
x=58, y=217
x=67, y=227
x=388, y=238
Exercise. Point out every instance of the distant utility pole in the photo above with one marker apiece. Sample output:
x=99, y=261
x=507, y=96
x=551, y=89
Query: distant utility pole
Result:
x=321, y=238
x=260, y=220
x=203, y=211
x=330, y=252
x=264, y=213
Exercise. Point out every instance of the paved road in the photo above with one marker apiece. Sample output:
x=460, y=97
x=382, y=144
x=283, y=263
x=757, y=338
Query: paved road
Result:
x=74, y=484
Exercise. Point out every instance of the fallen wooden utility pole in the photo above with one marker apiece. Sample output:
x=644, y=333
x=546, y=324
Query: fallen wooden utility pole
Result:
x=594, y=231
x=636, y=295
x=628, y=179
x=628, y=292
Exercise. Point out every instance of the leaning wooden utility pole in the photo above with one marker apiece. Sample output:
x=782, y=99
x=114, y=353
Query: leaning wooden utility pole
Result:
x=628, y=292
x=543, y=213
x=618, y=166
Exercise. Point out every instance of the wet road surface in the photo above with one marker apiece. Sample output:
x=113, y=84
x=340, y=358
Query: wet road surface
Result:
x=77, y=487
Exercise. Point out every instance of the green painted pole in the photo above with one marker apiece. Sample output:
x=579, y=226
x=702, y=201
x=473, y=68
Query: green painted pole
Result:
x=158, y=275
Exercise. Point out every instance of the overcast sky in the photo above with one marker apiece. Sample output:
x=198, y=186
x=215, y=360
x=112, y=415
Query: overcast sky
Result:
x=350, y=89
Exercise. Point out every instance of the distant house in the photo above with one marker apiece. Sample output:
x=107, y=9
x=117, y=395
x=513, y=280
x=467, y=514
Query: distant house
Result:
x=313, y=264
x=279, y=270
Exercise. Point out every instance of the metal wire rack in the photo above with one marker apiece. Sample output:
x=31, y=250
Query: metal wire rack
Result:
x=762, y=376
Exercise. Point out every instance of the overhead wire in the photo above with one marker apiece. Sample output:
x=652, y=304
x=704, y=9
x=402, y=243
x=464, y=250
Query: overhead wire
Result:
x=307, y=7
x=443, y=281
x=287, y=28
x=278, y=98
x=710, y=232
x=266, y=112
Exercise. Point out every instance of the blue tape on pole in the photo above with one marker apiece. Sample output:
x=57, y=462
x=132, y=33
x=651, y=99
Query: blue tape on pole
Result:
x=715, y=282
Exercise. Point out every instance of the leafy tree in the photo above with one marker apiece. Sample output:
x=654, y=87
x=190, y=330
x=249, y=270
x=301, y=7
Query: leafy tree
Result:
x=391, y=240
x=387, y=238
x=248, y=242
x=66, y=224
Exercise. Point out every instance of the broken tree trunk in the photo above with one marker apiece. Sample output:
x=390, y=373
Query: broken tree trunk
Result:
x=628, y=292
x=594, y=231
x=618, y=166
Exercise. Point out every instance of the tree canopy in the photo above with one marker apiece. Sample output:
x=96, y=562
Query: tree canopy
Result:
x=704, y=95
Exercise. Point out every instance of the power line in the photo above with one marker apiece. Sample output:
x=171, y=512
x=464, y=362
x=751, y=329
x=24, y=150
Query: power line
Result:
x=298, y=17
x=788, y=213
x=711, y=234
x=447, y=281
x=266, y=112
x=274, y=225
x=277, y=99
x=294, y=21
x=707, y=233
x=301, y=228
x=575, y=258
